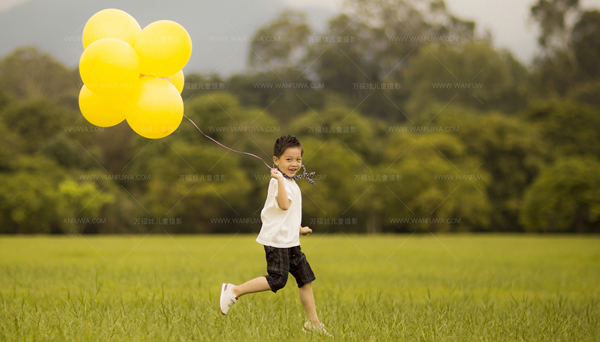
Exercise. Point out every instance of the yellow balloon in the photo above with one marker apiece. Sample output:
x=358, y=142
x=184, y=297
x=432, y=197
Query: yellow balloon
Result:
x=178, y=80
x=158, y=108
x=111, y=23
x=109, y=65
x=164, y=48
x=104, y=110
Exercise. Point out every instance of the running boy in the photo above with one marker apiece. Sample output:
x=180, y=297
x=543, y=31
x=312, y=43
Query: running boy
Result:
x=281, y=226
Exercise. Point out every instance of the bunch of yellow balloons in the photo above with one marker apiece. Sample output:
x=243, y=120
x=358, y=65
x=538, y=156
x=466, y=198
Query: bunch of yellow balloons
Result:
x=133, y=74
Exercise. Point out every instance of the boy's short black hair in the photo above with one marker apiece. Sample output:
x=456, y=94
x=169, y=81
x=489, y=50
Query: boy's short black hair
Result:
x=284, y=143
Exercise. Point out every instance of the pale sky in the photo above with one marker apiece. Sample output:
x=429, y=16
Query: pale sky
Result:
x=508, y=20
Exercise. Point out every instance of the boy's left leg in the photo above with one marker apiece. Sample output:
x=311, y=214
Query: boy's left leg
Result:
x=308, y=302
x=313, y=325
x=301, y=270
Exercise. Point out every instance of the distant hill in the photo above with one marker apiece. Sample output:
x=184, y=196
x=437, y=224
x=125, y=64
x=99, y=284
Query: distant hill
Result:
x=55, y=26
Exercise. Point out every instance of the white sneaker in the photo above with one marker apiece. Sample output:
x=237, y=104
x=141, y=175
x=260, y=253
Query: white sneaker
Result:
x=318, y=329
x=227, y=297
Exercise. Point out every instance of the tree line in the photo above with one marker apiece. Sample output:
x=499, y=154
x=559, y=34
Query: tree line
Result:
x=411, y=121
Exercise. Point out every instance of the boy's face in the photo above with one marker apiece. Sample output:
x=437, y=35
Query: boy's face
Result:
x=290, y=161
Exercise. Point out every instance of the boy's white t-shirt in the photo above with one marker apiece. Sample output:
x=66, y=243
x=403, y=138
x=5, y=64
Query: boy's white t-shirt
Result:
x=281, y=228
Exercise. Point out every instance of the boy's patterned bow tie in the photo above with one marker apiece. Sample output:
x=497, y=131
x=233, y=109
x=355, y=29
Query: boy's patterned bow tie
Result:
x=304, y=175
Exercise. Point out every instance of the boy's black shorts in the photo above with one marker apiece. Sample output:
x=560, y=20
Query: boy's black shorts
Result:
x=281, y=261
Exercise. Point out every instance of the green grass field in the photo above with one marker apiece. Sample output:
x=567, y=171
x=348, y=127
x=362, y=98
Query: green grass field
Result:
x=385, y=288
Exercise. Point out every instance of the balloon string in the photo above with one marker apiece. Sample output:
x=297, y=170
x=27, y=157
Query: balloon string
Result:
x=250, y=154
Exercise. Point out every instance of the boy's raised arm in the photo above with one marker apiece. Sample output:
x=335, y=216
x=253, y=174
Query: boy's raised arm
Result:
x=282, y=199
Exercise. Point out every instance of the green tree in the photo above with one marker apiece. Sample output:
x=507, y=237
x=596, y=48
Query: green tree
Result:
x=38, y=196
x=10, y=147
x=586, y=93
x=554, y=69
x=66, y=150
x=27, y=198
x=281, y=81
x=36, y=121
x=585, y=42
x=83, y=196
x=510, y=150
x=564, y=198
x=568, y=128
x=552, y=76
x=217, y=114
x=196, y=184
x=285, y=94
x=438, y=181
x=280, y=44
x=373, y=42
x=339, y=122
x=28, y=73
x=551, y=15
x=569, y=41
x=337, y=194
x=473, y=75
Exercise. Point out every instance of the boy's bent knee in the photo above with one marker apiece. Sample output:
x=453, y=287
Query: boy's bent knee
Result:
x=276, y=281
